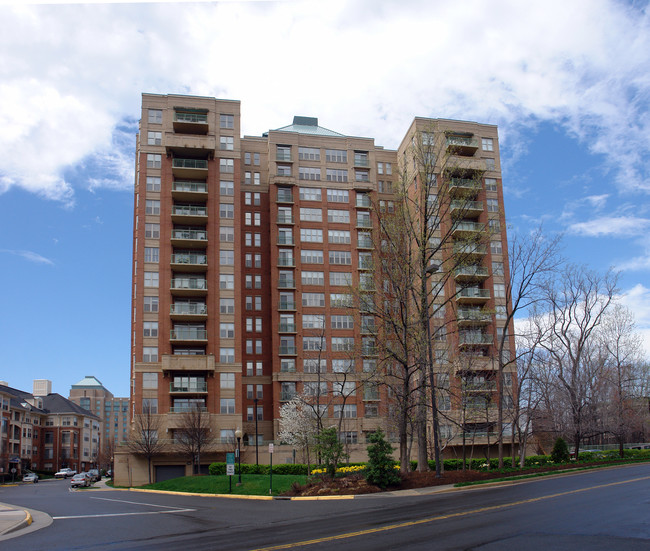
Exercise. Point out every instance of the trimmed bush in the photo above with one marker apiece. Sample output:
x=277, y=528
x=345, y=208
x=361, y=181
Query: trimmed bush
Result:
x=381, y=467
x=560, y=452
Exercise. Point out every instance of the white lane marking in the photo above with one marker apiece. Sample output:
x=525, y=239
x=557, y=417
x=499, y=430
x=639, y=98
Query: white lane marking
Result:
x=135, y=502
x=126, y=514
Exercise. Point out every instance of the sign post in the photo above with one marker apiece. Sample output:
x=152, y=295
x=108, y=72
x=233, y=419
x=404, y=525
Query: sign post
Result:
x=271, y=469
x=230, y=469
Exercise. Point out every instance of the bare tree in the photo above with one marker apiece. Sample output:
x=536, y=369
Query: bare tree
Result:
x=144, y=439
x=194, y=435
x=577, y=303
x=533, y=260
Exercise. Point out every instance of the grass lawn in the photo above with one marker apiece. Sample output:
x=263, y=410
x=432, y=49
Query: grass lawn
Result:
x=252, y=484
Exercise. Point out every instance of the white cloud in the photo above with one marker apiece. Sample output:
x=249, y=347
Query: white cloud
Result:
x=616, y=226
x=72, y=74
x=637, y=299
x=29, y=255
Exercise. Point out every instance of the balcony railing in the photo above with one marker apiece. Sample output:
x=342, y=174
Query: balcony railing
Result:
x=285, y=240
x=468, y=227
x=283, y=156
x=194, y=387
x=465, y=184
x=473, y=292
x=288, y=350
x=201, y=164
x=186, y=409
x=191, y=117
x=473, y=315
x=286, y=284
x=364, y=223
x=472, y=272
x=475, y=338
x=466, y=206
x=473, y=249
x=287, y=327
x=188, y=334
x=363, y=202
x=191, y=259
x=285, y=219
x=186, y=210
x=364, y=243
x=193, y=283
x=361, y=161
x=285, y=198
x=482, y=386
x=197, y=309
x=196, y=235
x=193, y=187
x=287, y=306
x=287, y=396
x=284, y=261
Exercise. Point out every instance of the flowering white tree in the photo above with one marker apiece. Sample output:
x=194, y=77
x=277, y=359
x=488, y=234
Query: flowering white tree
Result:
x=298, y=426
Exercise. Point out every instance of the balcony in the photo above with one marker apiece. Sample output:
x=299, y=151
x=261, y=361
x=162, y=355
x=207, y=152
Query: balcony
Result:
x=470, y=251
x=363, y=162
x=285, y=240
x=190, y=168
x=364, y=243
x=364, y=223
x=186, y=286
x=287, y=350
x=188, y=334
x=471, y=295
x=471, y=273
x=188, y=190
x=287, y=327
x=192, y=388
x=287, y=306
x=189, y=262
x=190, y=123
x=285, y=219
x=473, y=316
x=286, y=284
x=480, y=386
x=464, y=186
x=466, y=229
x=283, y=156
x=462, y=145
x=186, y=311
x=284, y=180
x=363, y=202
x=186, y=409
x=469, y=340
x=368, y=329
x=466, y=209
x=287, y=396
x=190, y=238
x=190, y=214
x=287, y=262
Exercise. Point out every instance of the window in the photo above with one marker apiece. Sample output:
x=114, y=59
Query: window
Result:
x=362, y=176
x=338, y=236
x=226, y=143
x=227, y=210
x=247, y=178
x=247, y=158
x=490, y=164
x=151, y=279
x=340, y=257
x=227, y=355
x=287, y=365
x=338, y=216
x=492, y=205
x=494, y=225
x=155, y=116
x=227, y=234
x=340, y=278
x=488, y=144
x=491, y=184
x=312, y=321
x=256, y=178
x=336, y=156
x=385, y=187
x=312, y=278
x=153, y=183
x=150, y=304
x=336, y=175
x=150, y=354
x=226, y=121
x=153, y=160
x=310, y=194
x=363, y=220
x=314, y=365
x=311, y=215
x=341, y=322
x=313, y=299
x=227, y=258
x=149, y=329
x=308, y=173
x=154, y=138
x=346, y=411
x=308, y=235
x=343, y=366
x=152, y=231
x=227, y=305
x=314, y=343
x=227, y=330
x=151, y=254
x=342, y=344
x=499, y=290
x=308, y=256
x=285, y=195
x=497, y=268
x=226, y=281
x=256, y=159
x=341, y=300
x=500, y=311
x=389, y=168
x=226, y=188
x=227, y=166
x=283, y=170
x=338, y=195
x=380, y=168
x=496, y=247
x=150, y=380
x=152, y=207
x=227, y=405
x=348, y=437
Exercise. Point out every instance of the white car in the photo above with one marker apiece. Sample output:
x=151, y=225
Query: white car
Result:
x=81, y=479
x=30, y=477
x=65, y=473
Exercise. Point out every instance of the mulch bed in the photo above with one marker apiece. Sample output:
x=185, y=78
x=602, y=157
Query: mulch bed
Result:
x=355, y=484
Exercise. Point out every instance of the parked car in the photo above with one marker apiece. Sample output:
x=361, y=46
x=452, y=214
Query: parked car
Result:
x=95, y=475
x=30, y=477
x=81, y=479
x=65, y=473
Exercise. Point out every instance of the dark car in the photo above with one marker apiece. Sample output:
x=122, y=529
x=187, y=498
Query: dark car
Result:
x=95, y=475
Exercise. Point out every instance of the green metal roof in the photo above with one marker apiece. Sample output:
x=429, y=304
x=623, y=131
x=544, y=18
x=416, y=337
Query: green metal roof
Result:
x=308, y=125
x=89, y=381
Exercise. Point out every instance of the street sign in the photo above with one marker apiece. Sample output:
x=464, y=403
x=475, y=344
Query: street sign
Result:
x=270, y=448
x=230, y=464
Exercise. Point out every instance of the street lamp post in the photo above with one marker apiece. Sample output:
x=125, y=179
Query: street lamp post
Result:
x=238, y=436
x=257, y=459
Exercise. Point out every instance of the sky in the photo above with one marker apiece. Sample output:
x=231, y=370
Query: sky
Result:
x=568, y=84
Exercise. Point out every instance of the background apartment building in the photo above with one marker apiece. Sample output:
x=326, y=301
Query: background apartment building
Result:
x=246, y=254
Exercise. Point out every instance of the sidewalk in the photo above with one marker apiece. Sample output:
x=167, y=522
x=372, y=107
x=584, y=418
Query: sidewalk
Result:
x=13, y=518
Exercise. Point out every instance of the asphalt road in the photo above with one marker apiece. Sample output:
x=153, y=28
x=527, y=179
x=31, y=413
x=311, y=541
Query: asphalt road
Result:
x=606, y=509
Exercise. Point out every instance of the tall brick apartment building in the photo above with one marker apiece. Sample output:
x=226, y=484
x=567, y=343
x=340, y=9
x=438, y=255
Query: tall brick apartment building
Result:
x=244, y=253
